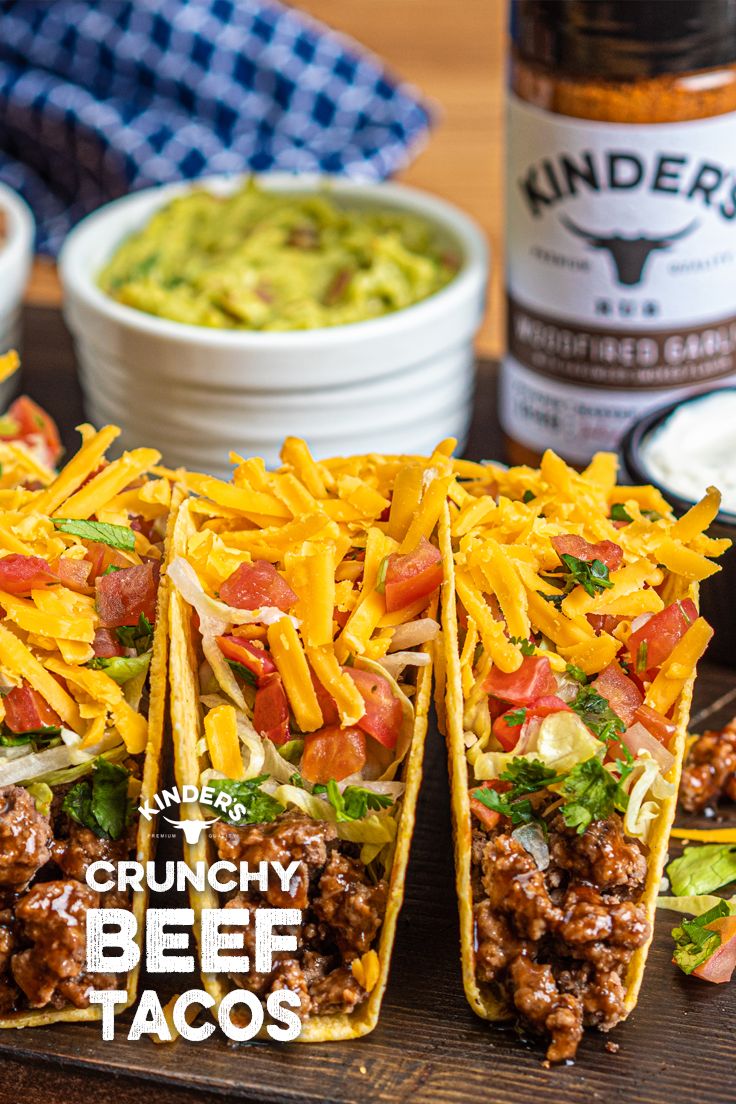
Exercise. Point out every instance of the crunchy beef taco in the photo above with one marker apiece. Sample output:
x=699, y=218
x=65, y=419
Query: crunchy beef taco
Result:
x=82, y=684
x=572, y=635
x=302, y=625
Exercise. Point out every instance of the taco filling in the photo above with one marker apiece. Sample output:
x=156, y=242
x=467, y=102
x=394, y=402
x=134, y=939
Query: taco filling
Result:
x=309, y=630
x=79, y=572
x=577, y=637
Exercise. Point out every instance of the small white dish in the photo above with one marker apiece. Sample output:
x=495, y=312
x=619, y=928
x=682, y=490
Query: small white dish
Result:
x=16, y=254
x=395, y=383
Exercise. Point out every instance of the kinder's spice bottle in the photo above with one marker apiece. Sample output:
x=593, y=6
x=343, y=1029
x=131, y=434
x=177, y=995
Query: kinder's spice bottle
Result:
x=621, y=215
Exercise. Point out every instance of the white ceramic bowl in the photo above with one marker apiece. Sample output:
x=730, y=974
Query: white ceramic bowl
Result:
x=16, y=253
x=396, y=383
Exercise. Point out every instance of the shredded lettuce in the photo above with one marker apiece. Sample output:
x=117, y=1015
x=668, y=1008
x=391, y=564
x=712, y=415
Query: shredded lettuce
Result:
x=122, y=669
x=561, y=742
x=647, y=789
x=695, y=905
x=702, y=869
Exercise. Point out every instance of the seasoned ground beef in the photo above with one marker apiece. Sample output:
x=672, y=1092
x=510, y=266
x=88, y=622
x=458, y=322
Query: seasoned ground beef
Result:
x=559, y=941
x=51, y=917
x=82, y=847
x=25, y=838
x=343, y=909
x=710, y=770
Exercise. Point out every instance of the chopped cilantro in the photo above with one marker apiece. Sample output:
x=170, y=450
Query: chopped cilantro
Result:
x=138, y=637
x=591, y=576
x=244, y=672
x=591, y=793
x=641, y=657
x=694, y=942
x=526, y=646
x=555, y=599
x=101, y=803
x=111, y=569
x=576, y=673
x=528, y=496
x=114, y=536
x=354, y=802
x=515, y=717
x=526, y=776
x=619, y=513
x=250, y=805
x=596, y=713
x=33, y=736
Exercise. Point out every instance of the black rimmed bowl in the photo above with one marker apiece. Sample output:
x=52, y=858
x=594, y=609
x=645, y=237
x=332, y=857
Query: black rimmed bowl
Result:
x=718, y=593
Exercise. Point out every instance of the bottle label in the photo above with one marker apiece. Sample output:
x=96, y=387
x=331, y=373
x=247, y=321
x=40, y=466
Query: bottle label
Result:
x=621, y=271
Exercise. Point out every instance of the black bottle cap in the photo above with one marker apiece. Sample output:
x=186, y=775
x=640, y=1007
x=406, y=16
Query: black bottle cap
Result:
x=625, y=39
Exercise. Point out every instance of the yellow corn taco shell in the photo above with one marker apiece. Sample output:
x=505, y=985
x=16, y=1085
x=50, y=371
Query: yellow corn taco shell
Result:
x=81, y=466
x=457, y=520
x=188, y=732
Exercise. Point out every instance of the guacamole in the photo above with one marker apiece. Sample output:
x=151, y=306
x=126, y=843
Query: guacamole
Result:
x=260, y=260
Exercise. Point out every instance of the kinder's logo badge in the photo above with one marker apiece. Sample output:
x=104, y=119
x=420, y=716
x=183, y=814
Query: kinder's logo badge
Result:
x=192, y=829
x=629, y=255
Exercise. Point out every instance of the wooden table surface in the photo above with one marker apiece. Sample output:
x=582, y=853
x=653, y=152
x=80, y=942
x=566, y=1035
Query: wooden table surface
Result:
x=429, y=1048
x=454, y=54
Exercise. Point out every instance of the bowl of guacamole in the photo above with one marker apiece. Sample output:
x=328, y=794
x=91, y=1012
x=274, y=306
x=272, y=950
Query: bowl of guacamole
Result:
x=225, y=316
x=273, y=261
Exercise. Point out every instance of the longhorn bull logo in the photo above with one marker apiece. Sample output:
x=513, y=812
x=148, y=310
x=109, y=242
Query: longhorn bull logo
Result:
x=629, y=255
x=192, y=829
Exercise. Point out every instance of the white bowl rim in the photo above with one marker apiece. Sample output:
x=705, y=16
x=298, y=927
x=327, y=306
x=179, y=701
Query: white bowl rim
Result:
x=20, y=230
x=79, y=282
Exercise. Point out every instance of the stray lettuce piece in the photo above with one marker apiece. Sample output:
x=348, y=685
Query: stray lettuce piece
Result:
x=591, y=576
x=591, y=793
x=137, y=637
x=694, y=943
x=114, y=536
x=694, y=906
x=381, y=575
x=354, y=802
x=250, y=805
x=292, y=752
x=122, y=668
x=43, y=795
x=101, y=803
x=702, y=869
x=619, y=513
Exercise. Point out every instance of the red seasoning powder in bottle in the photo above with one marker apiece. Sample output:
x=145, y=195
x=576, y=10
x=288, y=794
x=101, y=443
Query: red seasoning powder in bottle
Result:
x=621, y=211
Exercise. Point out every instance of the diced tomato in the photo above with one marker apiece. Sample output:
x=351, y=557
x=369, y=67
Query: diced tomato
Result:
x=333, y=752
x=340, y=617
x=26, y=710
x=720, y=966
x=122, y=596
x=489, y=818
x=508, y=734
x=383, y=712
x=253, y=585
x=602, y=622
x=101, y=557
x=623, y=695
x=106, y=644
x=250, y=655
x=650, y=645
x=607, y=552
x=413, y=576
x=35, y=425
x=534, y=679
x=143, y=525
x=271, y=712
x=74, y=574
x=21, y=574
x=327, y=703
x=662, y=728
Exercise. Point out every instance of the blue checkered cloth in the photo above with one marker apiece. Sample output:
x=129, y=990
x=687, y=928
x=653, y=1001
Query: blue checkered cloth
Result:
x=97, y=99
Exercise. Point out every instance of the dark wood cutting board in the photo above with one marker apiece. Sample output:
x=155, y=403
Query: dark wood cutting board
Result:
x=678, y=1046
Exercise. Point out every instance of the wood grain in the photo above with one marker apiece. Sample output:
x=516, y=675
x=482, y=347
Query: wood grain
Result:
x=454, y=54
x=428, y=1048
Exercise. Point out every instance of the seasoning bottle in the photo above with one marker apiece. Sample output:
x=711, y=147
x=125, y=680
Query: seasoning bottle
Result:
x=621, y=212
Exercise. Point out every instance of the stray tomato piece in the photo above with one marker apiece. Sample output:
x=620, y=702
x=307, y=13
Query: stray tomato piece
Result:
x=607, y=552
x=122, y=596
x=623, y=695
x=413, y=576
x=254, y=585
x=271, y=712
x=720, y=966
x=534, y=679
x=333, y=752
x=26, y=710
x=106, y=644
x=74, y=574
x=661, y=727
x=21, y=574
x=383, y=713
x=35, y=426
x=327, y=704
x=257, y=660
x=653, y=643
